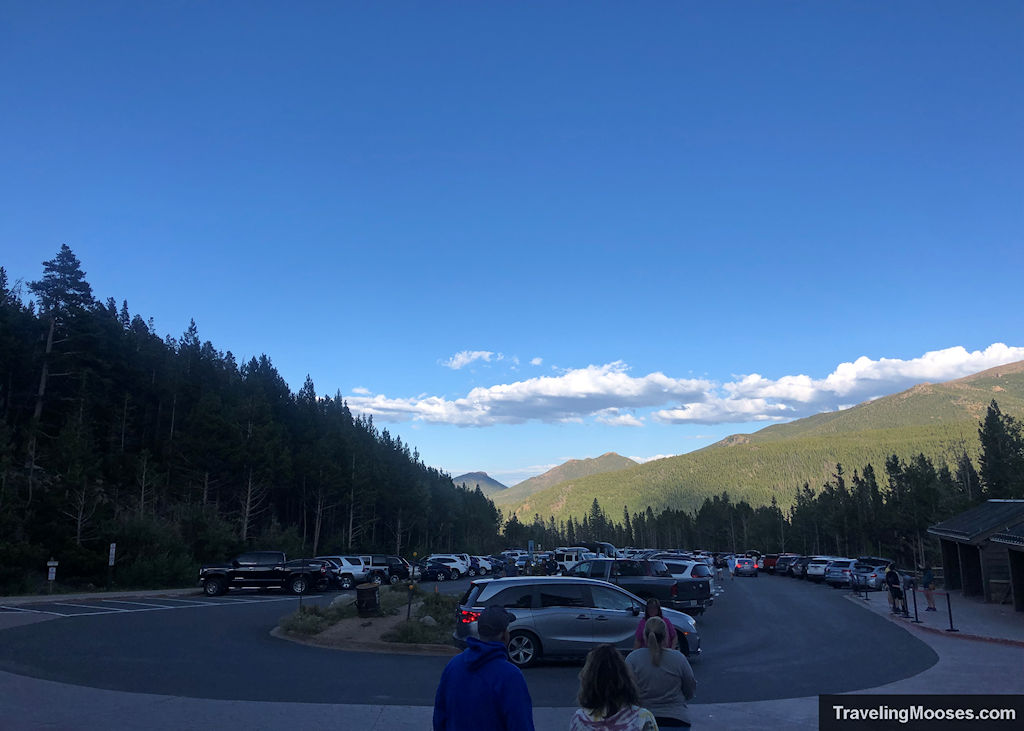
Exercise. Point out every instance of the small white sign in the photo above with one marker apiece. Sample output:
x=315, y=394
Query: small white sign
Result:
x=52, y=564
x=52, y=573
x=113, y=550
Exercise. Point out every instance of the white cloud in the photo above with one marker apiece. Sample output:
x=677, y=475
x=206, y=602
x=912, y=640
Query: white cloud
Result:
x=641, y=460
x=572, y=395
x=536, y=361
x=464, y=357
x=756, y=398
x=361, y=391
x=614, y=417
x=608, y=394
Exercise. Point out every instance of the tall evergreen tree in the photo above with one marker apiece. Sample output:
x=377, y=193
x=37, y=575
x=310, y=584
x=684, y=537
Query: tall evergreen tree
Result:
x=1002, y=454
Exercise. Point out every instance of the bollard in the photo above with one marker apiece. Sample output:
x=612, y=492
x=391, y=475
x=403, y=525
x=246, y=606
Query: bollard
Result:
x=917, y=619
x=949, y=609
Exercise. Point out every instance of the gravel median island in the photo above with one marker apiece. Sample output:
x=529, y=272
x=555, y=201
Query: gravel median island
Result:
x=388, y=633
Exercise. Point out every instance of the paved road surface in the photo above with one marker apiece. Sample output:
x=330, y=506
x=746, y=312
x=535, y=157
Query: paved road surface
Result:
x=765, y=638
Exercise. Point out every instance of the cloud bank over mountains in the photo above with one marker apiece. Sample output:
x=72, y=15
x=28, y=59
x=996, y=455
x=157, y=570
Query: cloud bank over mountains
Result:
x=609, y=394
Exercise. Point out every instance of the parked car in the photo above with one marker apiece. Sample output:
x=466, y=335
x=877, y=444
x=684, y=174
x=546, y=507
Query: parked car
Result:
x=798, y=569
x=782, y=564
x=683, y=569
x=816, y=568
x=745, y=567
x=869, y=574
x=558, y=616
x=458, y=566
x=348, y=570
x=839, y=573
x=264, y=570
x=433, y=571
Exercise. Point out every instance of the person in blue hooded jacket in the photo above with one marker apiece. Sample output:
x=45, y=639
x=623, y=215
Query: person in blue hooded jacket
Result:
x=480, y=688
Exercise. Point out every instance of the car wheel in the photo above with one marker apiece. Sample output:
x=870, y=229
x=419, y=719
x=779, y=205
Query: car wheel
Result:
x=213, y=587
x=471, y=572
x=455, y=574
x=483, y=571
x=377, y=579
x=440, y=576
x=523, y=649
x=395, y=579
x=298, y=585
x=347, y=582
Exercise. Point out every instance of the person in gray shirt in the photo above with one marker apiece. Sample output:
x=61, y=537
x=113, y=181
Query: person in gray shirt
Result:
x=663, y=676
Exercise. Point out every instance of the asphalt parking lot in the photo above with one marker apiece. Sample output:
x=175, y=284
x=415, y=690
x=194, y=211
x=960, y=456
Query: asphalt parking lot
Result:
x=765, y=638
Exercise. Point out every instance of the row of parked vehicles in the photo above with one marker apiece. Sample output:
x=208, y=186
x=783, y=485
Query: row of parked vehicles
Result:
x=863, y=573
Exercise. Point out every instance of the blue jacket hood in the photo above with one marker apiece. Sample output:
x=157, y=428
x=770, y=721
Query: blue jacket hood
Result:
x=480, y=653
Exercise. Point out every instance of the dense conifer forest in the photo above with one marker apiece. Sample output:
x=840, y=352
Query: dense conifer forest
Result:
x=180, y=455
x=851, y=514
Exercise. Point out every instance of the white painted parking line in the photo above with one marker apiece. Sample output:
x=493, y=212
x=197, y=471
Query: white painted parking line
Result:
x=142, y=607
x=89, y=606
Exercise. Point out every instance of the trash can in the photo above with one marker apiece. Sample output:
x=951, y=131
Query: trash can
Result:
x=368, y=600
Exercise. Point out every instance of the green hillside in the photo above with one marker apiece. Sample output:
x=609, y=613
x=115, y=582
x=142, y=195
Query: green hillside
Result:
x=574, y=469
x=938, y=420
x=487, y=484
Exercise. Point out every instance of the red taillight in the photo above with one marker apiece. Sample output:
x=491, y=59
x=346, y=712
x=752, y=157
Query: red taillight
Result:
x=466, y=616
x=675, y=589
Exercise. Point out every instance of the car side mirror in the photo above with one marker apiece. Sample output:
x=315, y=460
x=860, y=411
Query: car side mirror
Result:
x=636, y=610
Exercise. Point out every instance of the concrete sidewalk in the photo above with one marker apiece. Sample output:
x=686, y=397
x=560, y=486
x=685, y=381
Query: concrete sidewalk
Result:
x=984, y=657
x=972, y=618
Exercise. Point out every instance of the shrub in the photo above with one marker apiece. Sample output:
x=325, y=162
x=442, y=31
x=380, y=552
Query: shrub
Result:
x=414, y=632
x=308, y=620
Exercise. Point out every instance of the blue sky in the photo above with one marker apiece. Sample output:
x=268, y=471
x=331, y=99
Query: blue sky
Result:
x=632, y=208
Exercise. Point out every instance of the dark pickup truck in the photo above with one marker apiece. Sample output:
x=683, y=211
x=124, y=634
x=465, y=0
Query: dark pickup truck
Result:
x=649, y=580
x=264, y=570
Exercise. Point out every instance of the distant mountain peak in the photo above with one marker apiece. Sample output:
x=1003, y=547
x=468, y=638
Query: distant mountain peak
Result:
x=487, y=484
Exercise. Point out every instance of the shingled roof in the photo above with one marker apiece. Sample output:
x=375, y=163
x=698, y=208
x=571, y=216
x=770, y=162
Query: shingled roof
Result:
x=982, y=522
x=1012, y=537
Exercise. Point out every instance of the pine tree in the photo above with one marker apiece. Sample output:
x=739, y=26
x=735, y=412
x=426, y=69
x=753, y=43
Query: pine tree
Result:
x=1002, y=455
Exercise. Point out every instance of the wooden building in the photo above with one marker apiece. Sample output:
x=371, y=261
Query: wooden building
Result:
x=972, y=562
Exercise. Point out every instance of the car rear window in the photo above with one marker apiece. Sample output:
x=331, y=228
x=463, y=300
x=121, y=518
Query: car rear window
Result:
x=701, y=571
x=518, y=597
x=470, y=597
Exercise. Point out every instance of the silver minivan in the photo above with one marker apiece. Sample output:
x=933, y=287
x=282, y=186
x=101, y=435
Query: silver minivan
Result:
x=563, y=616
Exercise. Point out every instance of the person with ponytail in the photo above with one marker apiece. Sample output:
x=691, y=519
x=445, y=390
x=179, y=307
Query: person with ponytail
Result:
x=663, y=676
x=653, y=609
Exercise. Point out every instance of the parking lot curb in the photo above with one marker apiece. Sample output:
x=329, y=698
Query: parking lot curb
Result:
x=374, y=646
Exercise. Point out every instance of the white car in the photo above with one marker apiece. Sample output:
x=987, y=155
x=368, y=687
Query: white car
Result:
x=816, y=567
x=685, y=569
x=458, y=566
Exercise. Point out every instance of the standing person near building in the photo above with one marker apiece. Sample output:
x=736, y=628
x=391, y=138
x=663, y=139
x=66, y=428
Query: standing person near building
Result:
x=608, y=697
x=480, y=688
x=928, y=583
x=663, y=677
x=653, y=609
x=893, y=582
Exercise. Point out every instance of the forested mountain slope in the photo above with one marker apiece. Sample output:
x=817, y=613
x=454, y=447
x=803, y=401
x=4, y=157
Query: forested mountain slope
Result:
x=574, y=469
x=487, y=484
x=938, y=420
x=179, y=454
